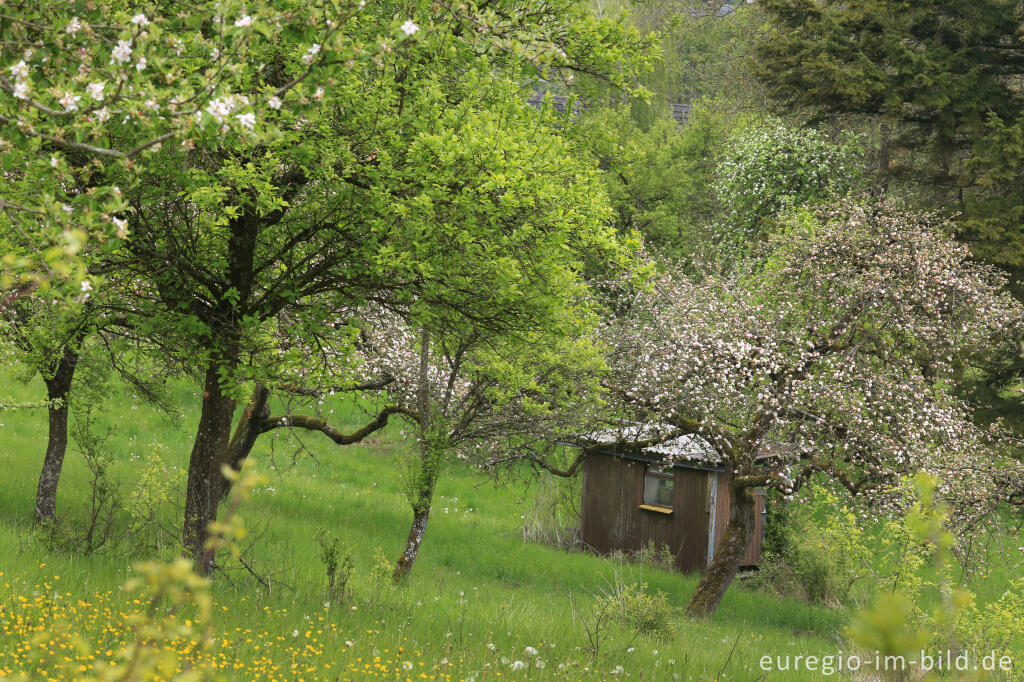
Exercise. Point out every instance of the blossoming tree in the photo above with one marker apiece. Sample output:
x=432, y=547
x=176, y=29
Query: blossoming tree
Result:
x=90, y=93
x=480, y=397
x=831, y=361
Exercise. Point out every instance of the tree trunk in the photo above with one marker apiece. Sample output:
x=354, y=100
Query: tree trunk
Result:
x=403, y=567
x=422, y=498
x=205, y=481
x=728, y=555
x=249, y=428
x=422, y=493
x=58, y=390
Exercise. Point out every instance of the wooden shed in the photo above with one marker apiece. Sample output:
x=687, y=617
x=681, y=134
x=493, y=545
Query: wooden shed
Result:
x=631, y=498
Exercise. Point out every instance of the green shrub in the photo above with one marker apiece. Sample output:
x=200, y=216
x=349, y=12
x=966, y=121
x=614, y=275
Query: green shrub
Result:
x=648, y=614
x=771, y=168
x=817, y=560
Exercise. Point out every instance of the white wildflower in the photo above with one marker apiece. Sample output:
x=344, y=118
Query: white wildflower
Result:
x=409, y=27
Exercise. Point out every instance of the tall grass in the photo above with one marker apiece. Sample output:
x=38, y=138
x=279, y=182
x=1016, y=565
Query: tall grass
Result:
x=478, y=597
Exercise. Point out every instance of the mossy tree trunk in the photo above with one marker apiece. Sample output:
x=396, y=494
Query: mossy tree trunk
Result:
x=728, y=555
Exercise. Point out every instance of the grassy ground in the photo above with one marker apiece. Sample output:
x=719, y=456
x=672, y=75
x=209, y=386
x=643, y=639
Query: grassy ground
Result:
x=478, y=598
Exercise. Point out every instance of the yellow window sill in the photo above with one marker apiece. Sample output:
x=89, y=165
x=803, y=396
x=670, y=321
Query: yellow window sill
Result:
x=660, y=510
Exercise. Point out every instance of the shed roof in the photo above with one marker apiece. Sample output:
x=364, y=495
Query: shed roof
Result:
x=688, y=450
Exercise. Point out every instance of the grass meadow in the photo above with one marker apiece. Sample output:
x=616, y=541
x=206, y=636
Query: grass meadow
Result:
x=482, y=603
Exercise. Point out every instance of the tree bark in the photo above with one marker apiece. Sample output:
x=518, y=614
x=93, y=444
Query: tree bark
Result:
x=728, y=555
x=206, y=484
x=422, y=499
x=422, y=494
x=249, y=428
x=403, y=567
x=58, y=390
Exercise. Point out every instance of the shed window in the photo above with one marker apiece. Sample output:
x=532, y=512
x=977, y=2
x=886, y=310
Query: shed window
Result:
x=658, y=487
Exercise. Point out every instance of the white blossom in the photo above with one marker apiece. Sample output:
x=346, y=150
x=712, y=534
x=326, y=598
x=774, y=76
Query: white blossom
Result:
x=220, y=108
x=122, y=227
x=74, y=26
x=20, y=70
x=243, y=21
x=70, y=101
x=274, y=103
x=248, y=120
x=409, y=27
x=140, y=20
x=122, y=53
x=95, y=90
x=311, y=53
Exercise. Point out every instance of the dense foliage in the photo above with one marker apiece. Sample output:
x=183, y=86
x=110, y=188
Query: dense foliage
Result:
x=769, y=168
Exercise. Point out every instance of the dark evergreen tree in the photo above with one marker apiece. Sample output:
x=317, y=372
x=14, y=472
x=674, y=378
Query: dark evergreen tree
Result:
x=941, y=80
